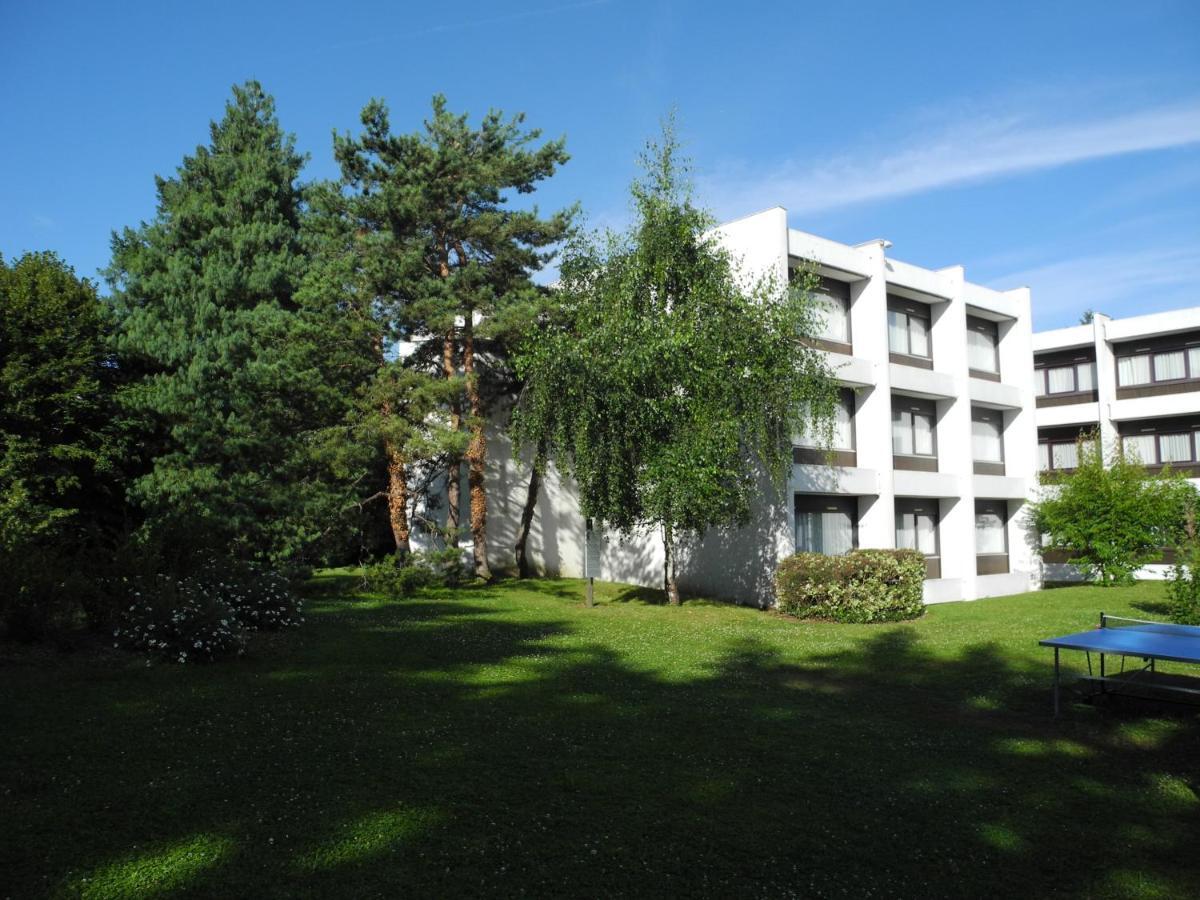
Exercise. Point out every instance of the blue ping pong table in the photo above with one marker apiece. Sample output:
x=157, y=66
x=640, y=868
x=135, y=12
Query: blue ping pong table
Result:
x=1130, y=639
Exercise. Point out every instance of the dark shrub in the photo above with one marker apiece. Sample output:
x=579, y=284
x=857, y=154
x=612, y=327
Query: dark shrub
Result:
x=862, y=586
x=394, y=577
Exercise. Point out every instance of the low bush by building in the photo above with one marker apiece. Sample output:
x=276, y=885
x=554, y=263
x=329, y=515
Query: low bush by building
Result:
x=395, y=577
x=862, y=586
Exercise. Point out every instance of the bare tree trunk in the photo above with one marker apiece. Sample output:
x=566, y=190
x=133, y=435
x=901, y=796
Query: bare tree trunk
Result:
x=669, y=585
x=476, y=453
x=453, y=464
x=397, y=496
x=531, y=498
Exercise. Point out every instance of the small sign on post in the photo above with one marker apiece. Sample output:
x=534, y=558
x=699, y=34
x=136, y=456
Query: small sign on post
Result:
x=591, y=561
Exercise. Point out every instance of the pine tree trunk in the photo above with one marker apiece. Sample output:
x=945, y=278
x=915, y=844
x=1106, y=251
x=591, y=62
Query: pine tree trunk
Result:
x=669, y=585
x=476, y=453
x=453, y=465
x=531, y=498
x=397, y=495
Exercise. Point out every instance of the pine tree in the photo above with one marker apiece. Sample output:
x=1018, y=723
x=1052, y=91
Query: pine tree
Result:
x=458, y=258
x=205, y=295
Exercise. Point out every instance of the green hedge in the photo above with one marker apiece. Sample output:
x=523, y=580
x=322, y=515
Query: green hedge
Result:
x=862, y=586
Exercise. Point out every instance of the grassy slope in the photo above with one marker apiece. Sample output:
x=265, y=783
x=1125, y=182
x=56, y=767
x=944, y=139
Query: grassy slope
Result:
x=507, y=740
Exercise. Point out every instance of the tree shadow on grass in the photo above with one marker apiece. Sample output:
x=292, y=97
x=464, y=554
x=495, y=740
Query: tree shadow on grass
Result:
x=1152, y=607
x=449, y=748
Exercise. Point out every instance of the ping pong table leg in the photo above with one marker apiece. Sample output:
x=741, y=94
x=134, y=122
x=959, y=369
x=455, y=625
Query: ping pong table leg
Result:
x=1056, y=682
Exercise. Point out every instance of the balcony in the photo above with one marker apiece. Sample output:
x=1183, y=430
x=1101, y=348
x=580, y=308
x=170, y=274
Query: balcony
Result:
x=921, y=382
x=816, y=479
x=1000, y=487
x=994, y=394
x=908, y=483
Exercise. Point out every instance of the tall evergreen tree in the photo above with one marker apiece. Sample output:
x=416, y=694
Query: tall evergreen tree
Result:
x=233, y=378
x=459, y=258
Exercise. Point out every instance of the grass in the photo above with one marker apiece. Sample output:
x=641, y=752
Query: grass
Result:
x=507, y=740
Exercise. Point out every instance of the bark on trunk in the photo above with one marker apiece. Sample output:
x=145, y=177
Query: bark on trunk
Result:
x=453, y=465
x=669, y=585
x=476, y=453
x=531, y=497
x=397, y=495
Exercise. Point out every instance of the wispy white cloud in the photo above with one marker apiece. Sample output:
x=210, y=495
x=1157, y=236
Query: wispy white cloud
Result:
x=970, y=151
x=1122, y=283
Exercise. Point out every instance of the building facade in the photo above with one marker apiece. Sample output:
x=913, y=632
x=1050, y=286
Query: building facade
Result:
x=935, y=444
x=1135, y=381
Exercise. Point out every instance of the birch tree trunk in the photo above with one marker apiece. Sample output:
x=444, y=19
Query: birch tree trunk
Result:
x=531, y=497
x=453, y=475
x=669, y=584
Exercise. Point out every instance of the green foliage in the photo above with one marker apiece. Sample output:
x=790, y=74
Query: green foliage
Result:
x=232, y=374
x=861, y=586
x=665, y=380
x=57, y=434
x=1111, y=515
x=1183, y=590
x=397, y=577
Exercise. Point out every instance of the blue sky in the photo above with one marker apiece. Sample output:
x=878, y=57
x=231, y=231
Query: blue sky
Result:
x=1049, y=144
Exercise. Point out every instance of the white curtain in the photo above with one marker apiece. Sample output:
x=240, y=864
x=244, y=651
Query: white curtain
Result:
x=1175, y=447
x=986, y=443
x=1039, y=383
x=918, y=335
x=843, y=427
x=981, y=351
x=1133, y=370
x=831, y=317
x=1086, y=376
x=837, y=532
x=831, y=533
x=1193, y=356
x=916, y=531
x=902, y=432
x=1043, y=457
x=989, y=533
x=926, y=534
x=1140, y=446
x=922, y=434
x=1169, y=366
x=1066, y=456
x=897, y=332
x=1062, y=379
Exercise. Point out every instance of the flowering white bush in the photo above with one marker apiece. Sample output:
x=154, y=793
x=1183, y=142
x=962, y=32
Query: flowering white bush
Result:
x=199, y=618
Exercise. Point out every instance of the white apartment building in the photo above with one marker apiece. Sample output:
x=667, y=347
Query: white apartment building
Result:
x=1135, y=380
x=935, y=450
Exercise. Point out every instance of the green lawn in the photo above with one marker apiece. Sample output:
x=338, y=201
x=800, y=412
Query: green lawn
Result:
x=506, y=740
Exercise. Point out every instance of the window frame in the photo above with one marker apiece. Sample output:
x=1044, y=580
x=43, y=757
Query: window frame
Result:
x=817, y=503
x=992, y=330
x=1191, y=372
x=910, y=309
x=1000, y=508
x=846, y=399
x=978, y=414
x=921, y=407
x=1043, y=375
x=913, y=507
x=831, y=288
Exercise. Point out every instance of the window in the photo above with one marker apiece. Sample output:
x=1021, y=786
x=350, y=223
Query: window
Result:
x=916, y=527
x=827, y=525
x=982, y=345
x=843, y=425
x=908, y=331
x=1043, y=457
x=1151, y=366
x=912, y=430
x=990, y=535
x=1174, y=448
x=832, y=299
x=1140, y=446
x=1069, y=378
x=1133, y=370
x=1064, y=456
x=987, y=442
